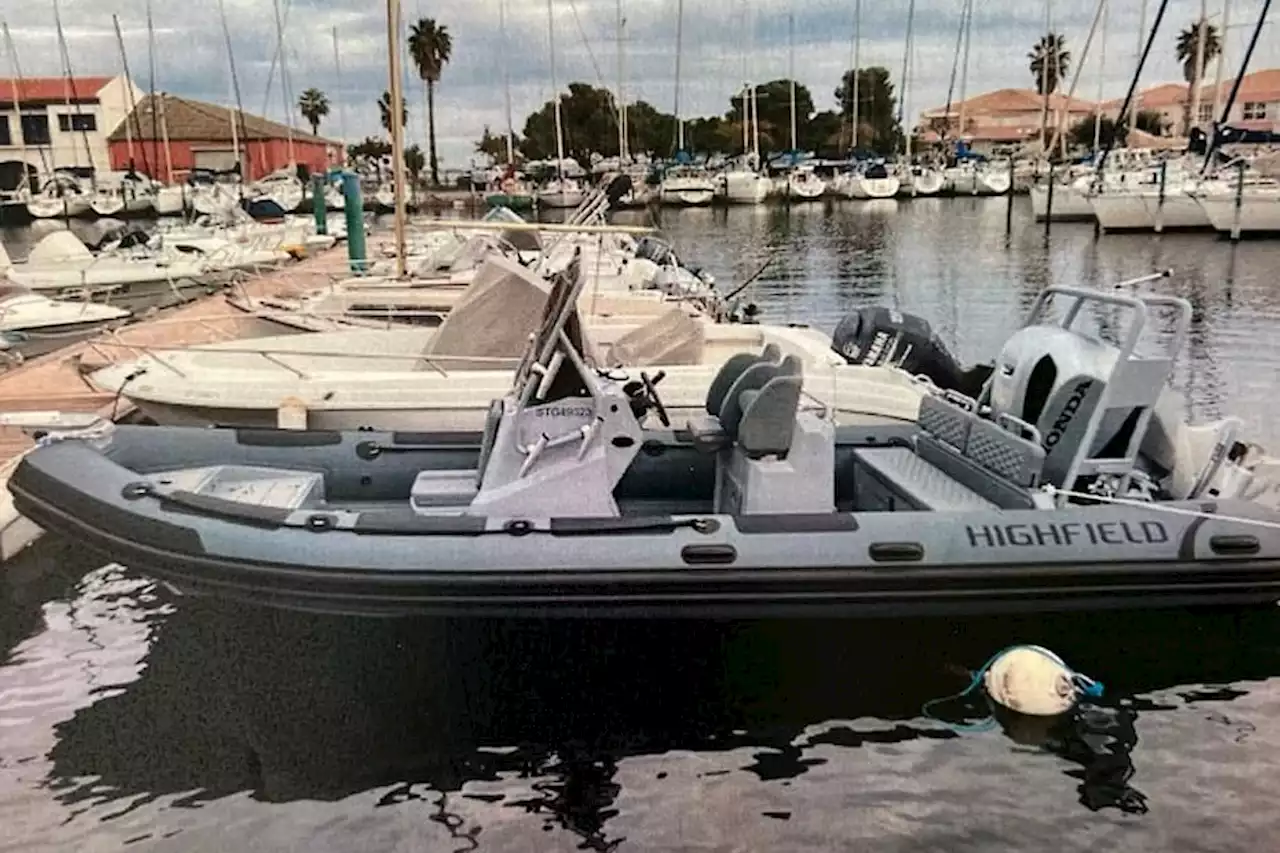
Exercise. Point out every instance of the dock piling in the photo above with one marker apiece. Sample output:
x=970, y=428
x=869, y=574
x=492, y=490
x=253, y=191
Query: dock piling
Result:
x=1164, y=168
x=1048, y=204
x=354, y=208
x=318, y=206
x=1238, y=213
x=1008, y=204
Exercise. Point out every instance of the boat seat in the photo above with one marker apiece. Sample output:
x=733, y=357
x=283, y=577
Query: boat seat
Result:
x=708, y=431
x=768, y=419
x=898, y=478
x=443, y=489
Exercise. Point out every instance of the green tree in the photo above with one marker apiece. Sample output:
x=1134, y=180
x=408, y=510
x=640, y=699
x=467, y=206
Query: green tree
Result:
x=1050, y=61
x=369, y=147
x=1187, y=48
x=824, y=135
x=1081, y=133
x=384, y=108
x=431, y=47
x=588, y=119
x=314, y=105
x=878, y=127
x=495, y=146
x=414, y=162
x=652, y=130
x=773, y=107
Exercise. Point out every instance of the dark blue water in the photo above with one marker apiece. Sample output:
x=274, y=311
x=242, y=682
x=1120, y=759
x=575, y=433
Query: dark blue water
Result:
x=133, y=718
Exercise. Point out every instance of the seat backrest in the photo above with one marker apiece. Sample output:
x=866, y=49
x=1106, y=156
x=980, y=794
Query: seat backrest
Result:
x=771, y=352
x=725, y=377
x=945, y=420
x=1013, y=457
x=753, y=378
x=768, y=419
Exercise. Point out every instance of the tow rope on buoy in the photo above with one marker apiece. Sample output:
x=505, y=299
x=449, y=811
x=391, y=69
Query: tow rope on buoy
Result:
x=1025, y=679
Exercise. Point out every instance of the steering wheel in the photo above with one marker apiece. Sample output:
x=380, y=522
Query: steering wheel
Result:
x=651, y=395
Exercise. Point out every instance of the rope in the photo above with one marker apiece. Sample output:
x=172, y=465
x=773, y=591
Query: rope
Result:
x=1172, y=510
x=1086, y=685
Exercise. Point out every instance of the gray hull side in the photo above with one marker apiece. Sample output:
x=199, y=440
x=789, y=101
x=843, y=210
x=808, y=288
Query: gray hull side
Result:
x=389, y=562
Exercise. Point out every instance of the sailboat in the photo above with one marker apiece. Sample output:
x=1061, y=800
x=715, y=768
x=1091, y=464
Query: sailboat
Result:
x=509, y=189
x=684, y=185
x=803, y=183
x=743, y=182
x=562, y=191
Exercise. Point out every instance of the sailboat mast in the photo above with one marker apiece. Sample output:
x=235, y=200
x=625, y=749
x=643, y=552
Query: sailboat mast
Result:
x=337, y=71
x=857, y=64
x=906, y=55
x=1049, y=47
x=551, y=41
x=679, y=37
x=1193, y=118
x=15, y=85
x=622, y=94
x=506, y=79
x=70, y=91
x=126, y=96
x=1137, y=92
x=791, y=75
x=1102, y=76
x=1222, y=58
x=285, y=95
x=967, y=13
x=397, y=128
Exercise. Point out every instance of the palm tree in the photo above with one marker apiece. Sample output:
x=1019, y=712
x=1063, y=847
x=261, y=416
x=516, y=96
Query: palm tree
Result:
x=1188, y=45
x=431, y=47
x=384, y=107
x=1050, y=61
x=314, y=105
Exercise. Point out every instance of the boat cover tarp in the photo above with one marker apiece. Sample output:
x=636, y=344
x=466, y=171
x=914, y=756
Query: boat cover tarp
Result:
x=670, y=338
x=494, y=318
x=61, y=248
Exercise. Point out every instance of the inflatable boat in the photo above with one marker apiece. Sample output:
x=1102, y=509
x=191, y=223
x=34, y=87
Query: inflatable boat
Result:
x=1067, y=483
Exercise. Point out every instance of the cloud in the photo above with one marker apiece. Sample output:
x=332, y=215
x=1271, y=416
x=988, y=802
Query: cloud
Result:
x=190, y=54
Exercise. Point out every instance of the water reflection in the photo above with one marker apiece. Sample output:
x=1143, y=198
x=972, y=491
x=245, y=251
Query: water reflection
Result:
x=298, y=707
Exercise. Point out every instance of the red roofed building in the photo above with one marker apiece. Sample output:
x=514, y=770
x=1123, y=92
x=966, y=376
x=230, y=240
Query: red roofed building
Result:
x=1257, y=105
x=1003, y=119
x=56, y=122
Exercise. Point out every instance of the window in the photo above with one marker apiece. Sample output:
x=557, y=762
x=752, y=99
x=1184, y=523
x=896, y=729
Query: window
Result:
x=1206, y=113
x=1255, y=110
x=35, y=129
x=5, y=138
x=77, y=122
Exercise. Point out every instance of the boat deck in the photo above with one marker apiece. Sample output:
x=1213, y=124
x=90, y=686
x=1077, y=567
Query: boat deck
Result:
x=57, y=381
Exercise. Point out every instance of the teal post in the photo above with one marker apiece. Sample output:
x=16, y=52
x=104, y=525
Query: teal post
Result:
x=318, y=206
x=355, y=222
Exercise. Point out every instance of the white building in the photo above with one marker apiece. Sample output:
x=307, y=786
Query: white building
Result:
x=64, y=123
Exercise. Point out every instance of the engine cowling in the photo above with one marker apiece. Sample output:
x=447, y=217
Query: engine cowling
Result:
x=875, y=335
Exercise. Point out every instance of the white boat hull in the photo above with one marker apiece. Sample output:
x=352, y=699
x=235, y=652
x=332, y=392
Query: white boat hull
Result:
x=878, y=187
x=746, y=187
x=1257, y=215
x=924, y=182
x=1146, y=212
x=1069, y=204
x=169, y=201
x=52, y=207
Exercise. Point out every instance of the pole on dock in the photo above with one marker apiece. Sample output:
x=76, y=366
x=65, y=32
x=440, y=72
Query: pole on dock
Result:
x=1008, y=206
x=353, y=205
x=318, y=206
x=1048, y=204
x=1164, y=168
x=1238, y=212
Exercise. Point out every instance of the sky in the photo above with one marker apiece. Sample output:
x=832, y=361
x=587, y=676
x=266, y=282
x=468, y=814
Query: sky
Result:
x=723, y=41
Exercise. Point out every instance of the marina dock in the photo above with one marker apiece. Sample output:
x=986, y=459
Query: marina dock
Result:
x=58, y=382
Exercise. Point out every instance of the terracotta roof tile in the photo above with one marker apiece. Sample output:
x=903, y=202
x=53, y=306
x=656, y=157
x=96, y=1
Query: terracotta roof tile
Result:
x=1012, y=100
x=35, y=90
x=1259, y=86
x=197, y=121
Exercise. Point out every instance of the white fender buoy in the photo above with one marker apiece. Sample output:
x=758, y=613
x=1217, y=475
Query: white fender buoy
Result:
x=1032, y=680
x=291, y=413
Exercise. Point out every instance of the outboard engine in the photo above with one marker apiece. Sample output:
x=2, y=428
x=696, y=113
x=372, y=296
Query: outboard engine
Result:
x=618, y=188
x=876, y=335
x=653, y=249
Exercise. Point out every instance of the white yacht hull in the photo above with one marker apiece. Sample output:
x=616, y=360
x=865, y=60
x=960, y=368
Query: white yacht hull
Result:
x=169, y=201
x=107, y=205
x=925, y=182
x=878, y=187
x=1069, y=204
x=46, y=207
x=807, y=190
x=1145, y=212
x=746, y=187
x=1257, y=215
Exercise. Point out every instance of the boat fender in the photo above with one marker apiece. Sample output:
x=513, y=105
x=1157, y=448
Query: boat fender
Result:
x=1033, y=680
x=1028, y=680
